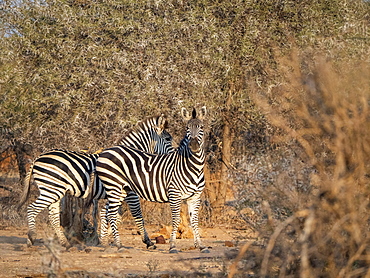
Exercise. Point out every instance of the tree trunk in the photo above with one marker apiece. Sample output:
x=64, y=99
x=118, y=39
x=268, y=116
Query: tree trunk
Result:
x=66, y=212
x=226, y=152
x=22, y=153
x=72, y=215
x=218, y=183
x=78, y=223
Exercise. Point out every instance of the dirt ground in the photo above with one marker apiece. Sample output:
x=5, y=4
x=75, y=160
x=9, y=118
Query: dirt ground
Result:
x=47, y=259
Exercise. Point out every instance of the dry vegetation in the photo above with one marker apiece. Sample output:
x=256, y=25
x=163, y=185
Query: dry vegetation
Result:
x=322, y=113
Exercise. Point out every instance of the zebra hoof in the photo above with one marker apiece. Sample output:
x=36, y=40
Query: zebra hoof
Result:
x=119, y=246
x=67, y=246
x=31, y=238
x=29, y=242
x=151, y=247
x=173, y=251
x=204, y=250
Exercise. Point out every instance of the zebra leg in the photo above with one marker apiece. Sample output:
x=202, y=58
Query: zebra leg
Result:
x=112, y=211
x=104, y=226
x=175, y=205
x=54, y=217
x=193, y=208
x=95, y=215
x=132, y=200
x=32, y=211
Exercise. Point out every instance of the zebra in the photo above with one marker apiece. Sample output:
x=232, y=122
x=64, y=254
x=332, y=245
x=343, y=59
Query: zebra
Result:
x=162, y=145
x=171, y=178
x=57, y=172
x=98, y=191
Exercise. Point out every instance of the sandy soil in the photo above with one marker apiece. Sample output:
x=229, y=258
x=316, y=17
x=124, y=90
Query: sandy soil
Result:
x=17, y=260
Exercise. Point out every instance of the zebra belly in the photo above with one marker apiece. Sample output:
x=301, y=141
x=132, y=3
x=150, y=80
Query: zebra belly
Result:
x=155, y=195
x=159, y=193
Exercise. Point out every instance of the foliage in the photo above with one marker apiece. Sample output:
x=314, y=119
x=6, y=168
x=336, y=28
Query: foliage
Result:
x=82, y=67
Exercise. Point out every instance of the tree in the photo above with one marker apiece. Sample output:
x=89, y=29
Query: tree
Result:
x=76, y=74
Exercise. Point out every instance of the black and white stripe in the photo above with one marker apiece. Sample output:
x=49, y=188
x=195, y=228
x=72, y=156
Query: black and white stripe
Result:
x=57, y=172
x=169, y=178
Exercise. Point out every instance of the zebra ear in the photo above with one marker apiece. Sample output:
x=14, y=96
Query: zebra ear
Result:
x=202, y=113
x=162, y=123
x=185, y=114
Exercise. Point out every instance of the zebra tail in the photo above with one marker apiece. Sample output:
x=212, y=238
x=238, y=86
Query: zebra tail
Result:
x=26, y=188
x=90, y=196
x=89, y=201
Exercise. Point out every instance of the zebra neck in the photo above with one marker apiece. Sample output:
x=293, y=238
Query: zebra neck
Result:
x=197, y=158
x=137, y=141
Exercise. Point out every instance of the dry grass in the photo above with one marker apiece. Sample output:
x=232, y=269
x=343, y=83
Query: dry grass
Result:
x=324, y=108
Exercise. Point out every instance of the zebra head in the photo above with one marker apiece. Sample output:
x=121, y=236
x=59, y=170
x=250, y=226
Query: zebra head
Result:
x=194, y=128
x=162, y=140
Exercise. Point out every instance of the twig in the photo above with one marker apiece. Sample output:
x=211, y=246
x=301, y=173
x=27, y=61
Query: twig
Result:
x=234, y=266
x=350, y=262
x=308, y=226
x=274, y=236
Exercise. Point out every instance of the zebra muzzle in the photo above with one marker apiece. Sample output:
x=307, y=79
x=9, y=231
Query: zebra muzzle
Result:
x=194, y=145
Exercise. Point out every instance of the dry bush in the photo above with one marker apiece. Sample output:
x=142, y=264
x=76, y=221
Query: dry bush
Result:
x=323, y=107
x=9, y=195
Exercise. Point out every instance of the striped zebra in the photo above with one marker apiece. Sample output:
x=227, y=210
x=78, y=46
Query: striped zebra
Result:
x=169, y=178
x=57, y=172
